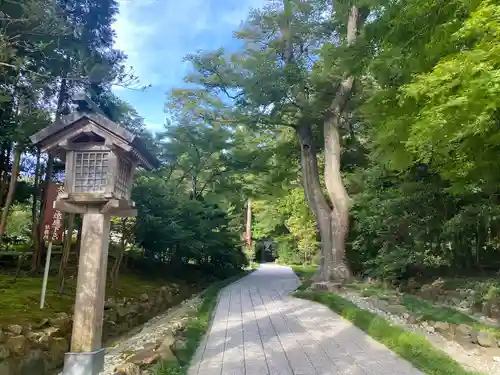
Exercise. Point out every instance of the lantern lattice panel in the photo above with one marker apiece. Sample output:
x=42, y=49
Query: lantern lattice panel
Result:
x=91, y=171
x=123, y=178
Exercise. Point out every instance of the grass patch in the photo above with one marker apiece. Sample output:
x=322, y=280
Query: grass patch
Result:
x=195, y=329
x=20, y=301
x=304, y=273
x=426, y=309
x=411, y=346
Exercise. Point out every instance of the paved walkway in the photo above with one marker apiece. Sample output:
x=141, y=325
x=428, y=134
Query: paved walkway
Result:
x=259, y=330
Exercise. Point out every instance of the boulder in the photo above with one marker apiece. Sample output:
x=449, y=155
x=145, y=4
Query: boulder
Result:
x=15, y=329
x=144, y=297
x=165, y=348
x=110, y=303
x=179, y=344
x=6, y=368
x=4, y=352
x=442, y=327
x=17, y=345
x=53, y=332
x=486, y=339
x=412, y=319
x=43, y=323
x=396, y=309
x=61, y=321
x=381, y=304
x=127, y=369
x=145, y=357
x=58, y=346
x=463, y=330
x=33, y=363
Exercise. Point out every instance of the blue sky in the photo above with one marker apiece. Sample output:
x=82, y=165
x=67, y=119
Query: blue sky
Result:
x=157, y=34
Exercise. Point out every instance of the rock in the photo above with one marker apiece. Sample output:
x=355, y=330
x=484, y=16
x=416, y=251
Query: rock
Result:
x=463, y=330
x=165, y=351
x=145, y=357
x=486, y=339
x=381, y=304
x=4, y=352
x=430, y=328
x=413, y=319
x=442, y=327
x=57, y=347
x=496, y=359
x=486, y=308
x=146, y=307
x=33, y=363
x=412, y=284
x=495, y=311
x=178, y=326
x=15, y=329
x=127, y=369
x=396, y=309
x=43, y=323
x=110, y=303
x=53, y=332
x=179, y=344
x=144, y=297
x=319, y=287
x=61, y=321
x=124, y=310
x=6, y=368
x=17, y=345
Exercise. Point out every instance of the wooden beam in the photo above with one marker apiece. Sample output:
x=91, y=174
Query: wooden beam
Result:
x=65, y=206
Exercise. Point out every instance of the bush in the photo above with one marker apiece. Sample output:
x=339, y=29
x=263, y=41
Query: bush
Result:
x=287, y=253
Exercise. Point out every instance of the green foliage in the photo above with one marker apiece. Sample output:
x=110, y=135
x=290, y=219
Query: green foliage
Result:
x=411, y=346
x=176, y=229
x=19, y=223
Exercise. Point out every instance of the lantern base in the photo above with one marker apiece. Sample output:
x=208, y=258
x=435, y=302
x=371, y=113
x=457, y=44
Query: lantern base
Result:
x=89, y=363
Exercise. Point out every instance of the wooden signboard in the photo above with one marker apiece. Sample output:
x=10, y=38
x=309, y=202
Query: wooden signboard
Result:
x=52, y=218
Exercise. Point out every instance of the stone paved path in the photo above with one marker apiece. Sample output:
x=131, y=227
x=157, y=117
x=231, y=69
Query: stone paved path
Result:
x=259, y=330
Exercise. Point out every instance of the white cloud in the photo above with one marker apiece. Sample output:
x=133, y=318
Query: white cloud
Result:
x=157, y=34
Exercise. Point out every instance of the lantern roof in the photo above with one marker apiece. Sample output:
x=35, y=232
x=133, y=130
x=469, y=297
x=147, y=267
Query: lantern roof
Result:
x=88, y=123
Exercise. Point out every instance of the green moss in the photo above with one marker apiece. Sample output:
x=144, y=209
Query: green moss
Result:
x=20, y=300
x=411, y=346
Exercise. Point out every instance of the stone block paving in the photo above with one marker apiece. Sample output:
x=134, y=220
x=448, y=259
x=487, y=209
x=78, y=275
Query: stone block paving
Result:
x=259, y=330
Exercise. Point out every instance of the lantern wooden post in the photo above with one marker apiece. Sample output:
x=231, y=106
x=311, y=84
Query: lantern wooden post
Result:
x=100, y=159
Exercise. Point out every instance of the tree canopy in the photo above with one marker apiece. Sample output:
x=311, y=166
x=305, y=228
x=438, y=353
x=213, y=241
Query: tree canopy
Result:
x=364, y=132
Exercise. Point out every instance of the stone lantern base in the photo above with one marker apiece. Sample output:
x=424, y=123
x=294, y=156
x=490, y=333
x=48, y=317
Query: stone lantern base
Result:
x=90, y=363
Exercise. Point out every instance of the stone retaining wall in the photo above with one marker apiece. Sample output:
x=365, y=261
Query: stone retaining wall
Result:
x=39, y=348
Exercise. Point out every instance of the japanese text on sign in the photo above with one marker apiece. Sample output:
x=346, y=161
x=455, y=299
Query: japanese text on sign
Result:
x=53, y=219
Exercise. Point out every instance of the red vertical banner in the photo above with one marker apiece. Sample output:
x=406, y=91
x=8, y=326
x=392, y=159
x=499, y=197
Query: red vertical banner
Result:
x=52, y=218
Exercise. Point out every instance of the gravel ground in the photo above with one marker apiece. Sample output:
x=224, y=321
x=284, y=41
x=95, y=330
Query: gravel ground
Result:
x=150, y=333
x=476, y=359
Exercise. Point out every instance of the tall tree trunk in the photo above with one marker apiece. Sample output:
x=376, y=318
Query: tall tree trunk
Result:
x=4, y=170
x=12, y=188
x=115, y=271
x=333, y=176
x=34, y=211
x=316, y=199
x=36, y=260
x=65, y=252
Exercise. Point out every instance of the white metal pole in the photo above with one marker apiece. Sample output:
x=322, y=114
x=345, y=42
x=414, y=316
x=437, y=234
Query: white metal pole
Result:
x=46, y=275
